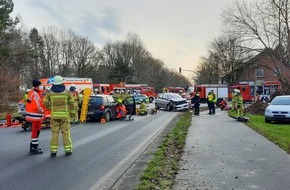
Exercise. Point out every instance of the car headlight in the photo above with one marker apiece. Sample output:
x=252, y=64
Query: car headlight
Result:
x=267, y=111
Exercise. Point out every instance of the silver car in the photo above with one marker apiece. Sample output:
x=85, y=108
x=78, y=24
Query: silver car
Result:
x=278, y=109
x=171, y=102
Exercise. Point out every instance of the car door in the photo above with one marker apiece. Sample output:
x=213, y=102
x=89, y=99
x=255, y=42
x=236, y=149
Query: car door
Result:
x=130, y=105
x=164, y=101
x=112, y=106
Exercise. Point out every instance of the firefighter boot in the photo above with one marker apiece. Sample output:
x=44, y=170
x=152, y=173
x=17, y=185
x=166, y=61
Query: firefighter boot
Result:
x=34, y=149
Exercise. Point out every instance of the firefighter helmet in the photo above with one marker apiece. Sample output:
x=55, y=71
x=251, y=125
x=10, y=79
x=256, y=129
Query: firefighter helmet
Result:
x=57, y=80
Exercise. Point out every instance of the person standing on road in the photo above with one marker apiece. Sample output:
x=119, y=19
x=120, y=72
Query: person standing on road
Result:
x=61, y=103
x=195, y=101
x=210, y=103
x=76, y=98
x=214, y=101
x=34, y=114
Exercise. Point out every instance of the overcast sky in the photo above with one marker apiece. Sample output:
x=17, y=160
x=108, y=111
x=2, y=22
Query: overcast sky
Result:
x=174, y=31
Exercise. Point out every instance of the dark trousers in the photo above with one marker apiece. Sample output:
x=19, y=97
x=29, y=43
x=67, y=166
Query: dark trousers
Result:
x=196, y=110
x=211, y=107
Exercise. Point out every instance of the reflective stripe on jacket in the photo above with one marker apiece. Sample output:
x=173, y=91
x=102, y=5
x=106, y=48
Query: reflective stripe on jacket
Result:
x=61, y=104
x=34, y=106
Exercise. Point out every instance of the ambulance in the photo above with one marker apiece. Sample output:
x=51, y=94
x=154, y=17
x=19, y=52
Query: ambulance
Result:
x=79, y=83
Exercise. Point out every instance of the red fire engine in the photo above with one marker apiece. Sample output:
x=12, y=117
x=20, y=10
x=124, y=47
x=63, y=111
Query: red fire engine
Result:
x=122, y=87
x=103, y=88
x=142, y=89
x=221, y=91
x=173, y=89
x=263, y=89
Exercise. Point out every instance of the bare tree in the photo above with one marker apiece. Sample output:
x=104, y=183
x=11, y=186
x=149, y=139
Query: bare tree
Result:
x=230, y=57
x=262, y=25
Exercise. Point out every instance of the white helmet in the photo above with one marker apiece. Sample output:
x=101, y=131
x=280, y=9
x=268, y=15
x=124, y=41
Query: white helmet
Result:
x=57, y=80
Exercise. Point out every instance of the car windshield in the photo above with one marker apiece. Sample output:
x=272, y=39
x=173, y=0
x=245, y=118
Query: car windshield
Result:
x=96, y=100
x=281, y=101
x=174, y=96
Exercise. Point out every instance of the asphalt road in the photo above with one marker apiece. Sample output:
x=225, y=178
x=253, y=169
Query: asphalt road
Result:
x=101, y=153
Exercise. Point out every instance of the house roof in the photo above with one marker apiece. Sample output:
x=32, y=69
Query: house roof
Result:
x=267, y=52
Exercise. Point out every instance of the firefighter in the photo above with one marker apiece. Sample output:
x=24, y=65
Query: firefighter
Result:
x=96, y=91
x=223, y=104
x=210, y=103
x=81, y=97
x=121, y=109
x=76, y=97
x=34, y=114
x=195, y=101
x=214, y=101
x=234, y=99
x=61, y=103
x=239, y=103
x=25, y=97
x=142, y=108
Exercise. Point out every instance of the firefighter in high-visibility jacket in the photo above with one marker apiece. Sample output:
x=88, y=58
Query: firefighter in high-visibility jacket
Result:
x=210, y=103
x=61, y=104
x=25, y=97
x=76, y=97
x=142, y=110
x=239, y=103
x=234, y=92
x=34, y=115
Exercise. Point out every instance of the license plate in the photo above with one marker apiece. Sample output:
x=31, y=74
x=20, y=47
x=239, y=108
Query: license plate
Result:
x=91, y=112
x=279, y=116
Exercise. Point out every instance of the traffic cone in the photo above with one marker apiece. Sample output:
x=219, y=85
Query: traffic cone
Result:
x=103, y=120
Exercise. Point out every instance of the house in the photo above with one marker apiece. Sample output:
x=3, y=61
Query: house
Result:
x=265, y=66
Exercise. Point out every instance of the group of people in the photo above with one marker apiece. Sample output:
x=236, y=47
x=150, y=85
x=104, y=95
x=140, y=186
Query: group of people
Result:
x=211, y=100
x=62, y=106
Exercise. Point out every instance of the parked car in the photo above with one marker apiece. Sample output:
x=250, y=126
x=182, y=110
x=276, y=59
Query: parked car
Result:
x=278, y=109
x=171, y=102
x=104, y=106
x=139, y=97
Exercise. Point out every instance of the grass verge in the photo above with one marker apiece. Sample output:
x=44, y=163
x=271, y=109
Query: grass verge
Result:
x=278, y=133
x=161, y=170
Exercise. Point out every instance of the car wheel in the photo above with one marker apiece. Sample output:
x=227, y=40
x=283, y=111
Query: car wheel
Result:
x=267, y=121
x=151, y=100
x=168, y=107
x=107, y=116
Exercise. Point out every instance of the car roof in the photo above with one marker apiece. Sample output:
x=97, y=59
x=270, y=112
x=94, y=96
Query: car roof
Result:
x=101, y=95
x=144, y=95
x=283, y=96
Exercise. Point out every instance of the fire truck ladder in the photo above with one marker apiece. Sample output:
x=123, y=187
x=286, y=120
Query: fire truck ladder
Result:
x=85, y=104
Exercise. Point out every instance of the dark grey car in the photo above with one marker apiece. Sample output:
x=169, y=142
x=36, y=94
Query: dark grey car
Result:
x=171, y=102
x=104, y=106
